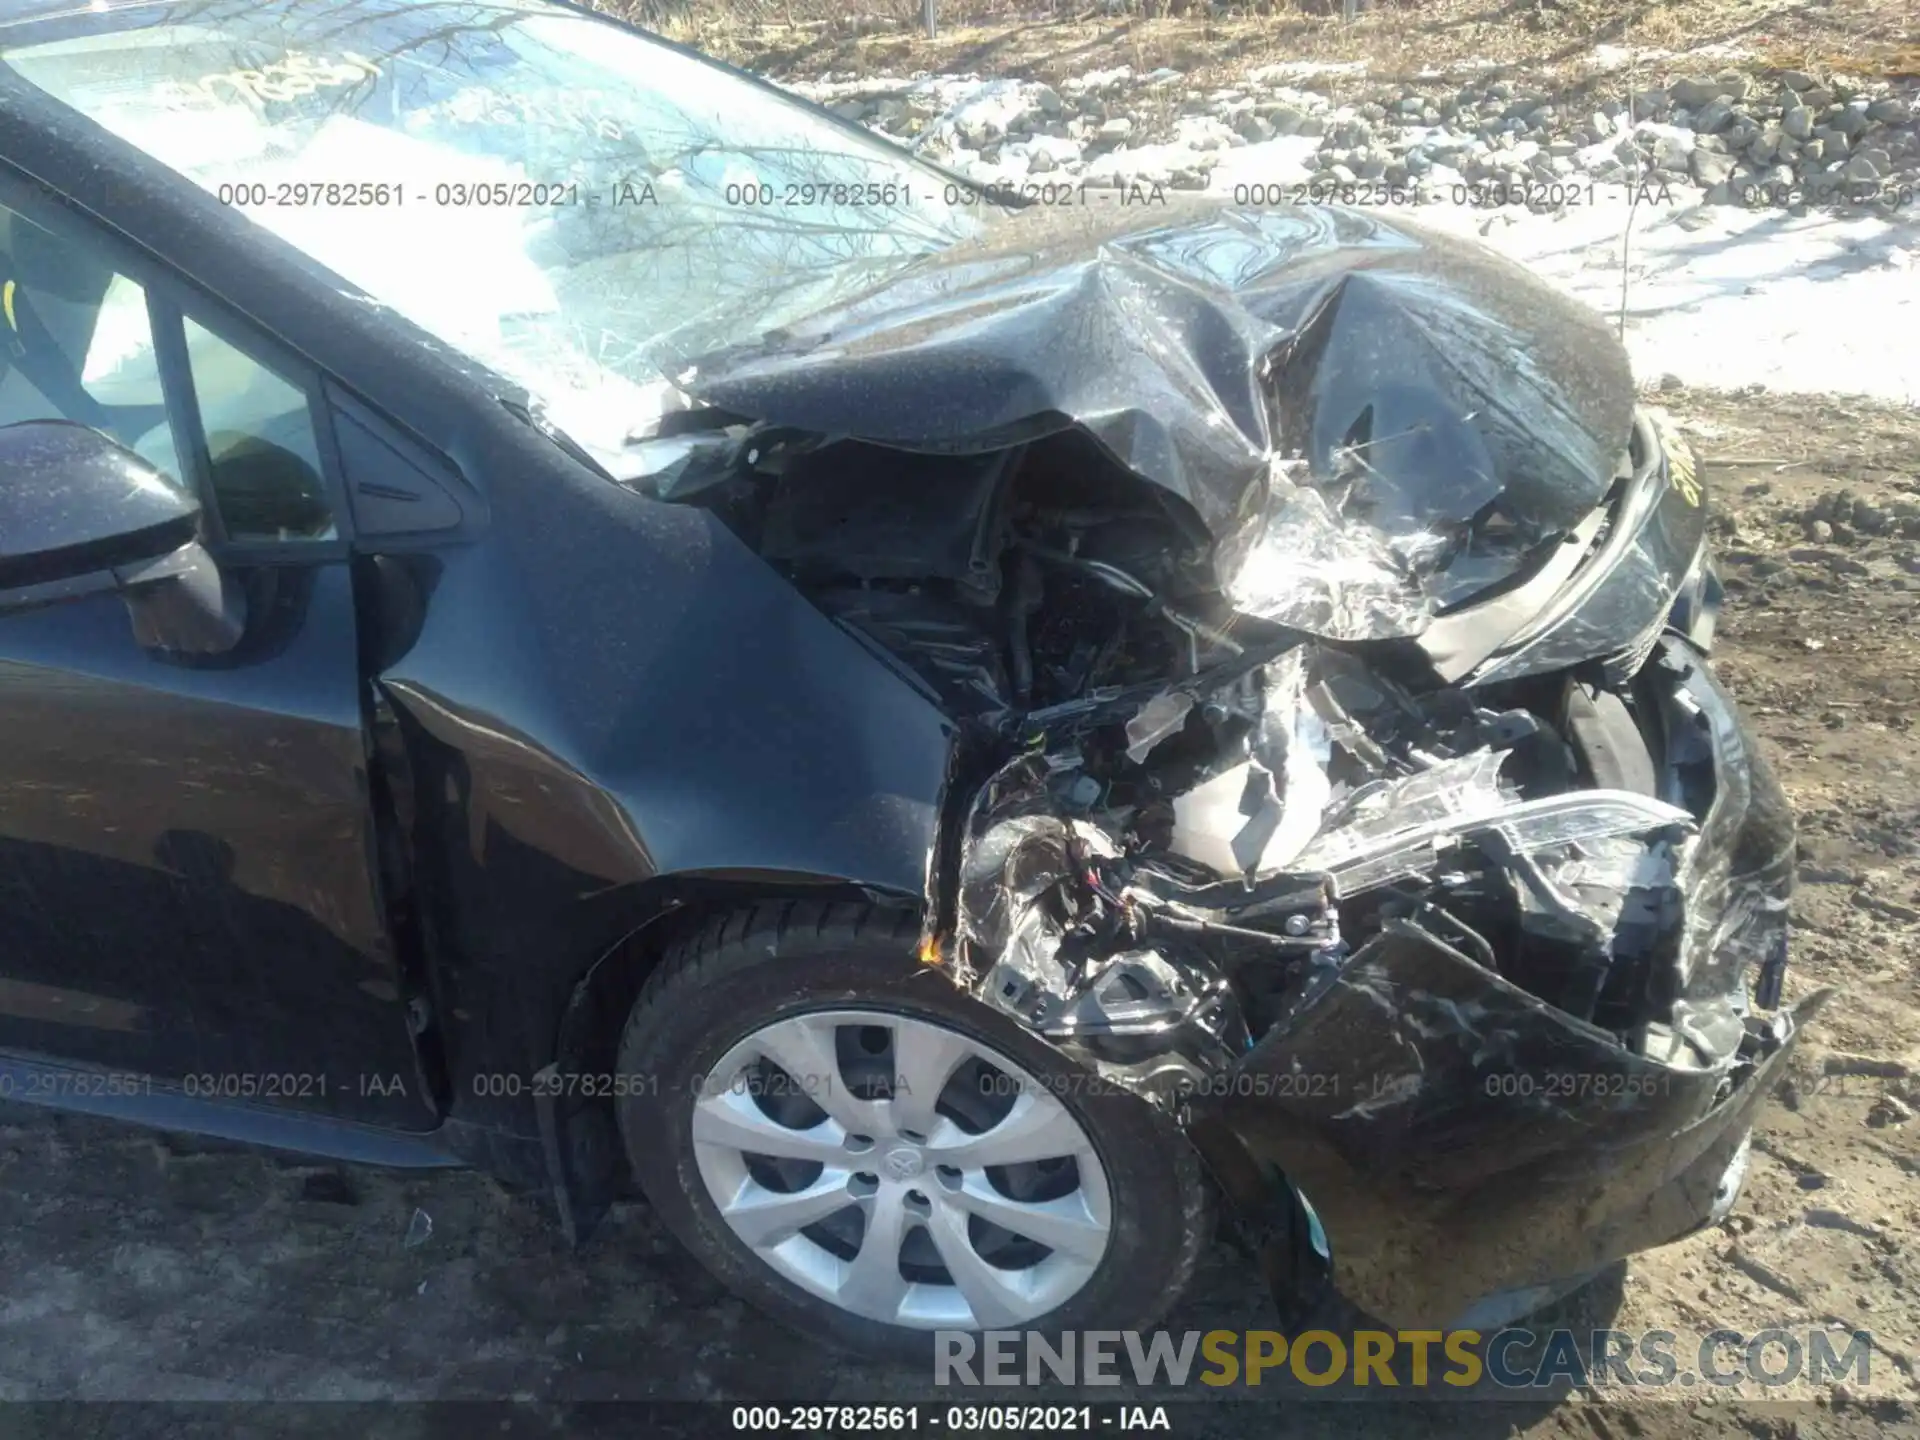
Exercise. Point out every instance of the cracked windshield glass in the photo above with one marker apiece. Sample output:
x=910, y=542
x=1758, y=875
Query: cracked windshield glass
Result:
x=580, y=208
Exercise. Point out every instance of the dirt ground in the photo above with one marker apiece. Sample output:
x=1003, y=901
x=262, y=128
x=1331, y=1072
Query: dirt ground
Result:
x=1399, y=39
x=137, y=1266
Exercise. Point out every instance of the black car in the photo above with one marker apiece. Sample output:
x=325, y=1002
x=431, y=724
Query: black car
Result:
x=563, y=611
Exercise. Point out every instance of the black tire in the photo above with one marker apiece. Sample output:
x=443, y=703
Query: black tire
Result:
x=745, y=969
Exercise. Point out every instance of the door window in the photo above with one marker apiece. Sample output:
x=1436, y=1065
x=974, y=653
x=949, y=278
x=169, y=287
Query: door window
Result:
x=261, y=450
x=77, y=343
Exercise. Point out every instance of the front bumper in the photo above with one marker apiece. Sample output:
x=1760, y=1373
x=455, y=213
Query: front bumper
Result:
x=1469, y=1150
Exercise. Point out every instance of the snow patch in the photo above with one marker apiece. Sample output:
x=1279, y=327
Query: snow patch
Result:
x=1305, y=70
x=1809, y=303
x=997, y=103
x=1281, y=161
x=1098, y=79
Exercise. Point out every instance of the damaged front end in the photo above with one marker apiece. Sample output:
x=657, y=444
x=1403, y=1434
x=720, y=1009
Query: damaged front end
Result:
x=1339, y=766
x=1490, y=1021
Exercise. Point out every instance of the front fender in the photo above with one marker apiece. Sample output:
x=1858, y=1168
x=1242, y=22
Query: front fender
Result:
x=603, y=693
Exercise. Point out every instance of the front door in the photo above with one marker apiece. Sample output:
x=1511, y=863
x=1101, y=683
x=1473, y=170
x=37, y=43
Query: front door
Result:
x=187, y=865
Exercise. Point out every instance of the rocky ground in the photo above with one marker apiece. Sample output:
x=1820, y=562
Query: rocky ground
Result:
x=1732, y=96
x=1740, y=137
x=139, y=1266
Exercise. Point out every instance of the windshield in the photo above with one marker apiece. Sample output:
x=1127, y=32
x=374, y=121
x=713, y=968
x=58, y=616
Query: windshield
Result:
x=580, y=207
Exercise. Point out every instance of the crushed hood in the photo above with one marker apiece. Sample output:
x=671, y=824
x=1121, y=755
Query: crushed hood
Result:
x=1403, y=417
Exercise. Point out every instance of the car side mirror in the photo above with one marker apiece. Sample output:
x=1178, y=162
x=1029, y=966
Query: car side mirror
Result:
x=81, y=514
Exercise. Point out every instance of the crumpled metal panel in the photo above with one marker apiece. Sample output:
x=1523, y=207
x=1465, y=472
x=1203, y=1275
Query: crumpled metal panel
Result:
x=1739, y=879
x=1314, y=570
x=1464, y=1139
x=1255, y=817
x=1461, y=1138
x=1347, y=403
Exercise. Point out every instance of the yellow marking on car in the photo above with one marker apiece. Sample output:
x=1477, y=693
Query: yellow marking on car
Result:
x=1680, y=464
x=289, y=78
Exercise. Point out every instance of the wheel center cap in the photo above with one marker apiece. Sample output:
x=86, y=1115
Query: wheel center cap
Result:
x=903, y=1162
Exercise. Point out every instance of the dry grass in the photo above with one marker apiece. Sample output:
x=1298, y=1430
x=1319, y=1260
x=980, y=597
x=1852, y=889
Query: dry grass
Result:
x=1054, y=39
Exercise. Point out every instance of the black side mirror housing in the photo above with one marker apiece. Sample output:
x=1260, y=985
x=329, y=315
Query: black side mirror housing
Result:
x=81, y=514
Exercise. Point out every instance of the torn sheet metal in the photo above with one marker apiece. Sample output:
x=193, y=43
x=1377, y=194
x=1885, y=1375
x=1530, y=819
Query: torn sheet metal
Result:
x=1739, y=879
x=1165, y=714
x=1311, y=568
x=1403, y=412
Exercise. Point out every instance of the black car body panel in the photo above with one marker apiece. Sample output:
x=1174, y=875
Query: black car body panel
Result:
x=583, y=750
x=1439, y=1190
x=152, y=862
x=53, y=467
x=849, y=625
x=1615, y=605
